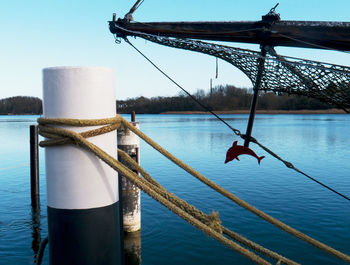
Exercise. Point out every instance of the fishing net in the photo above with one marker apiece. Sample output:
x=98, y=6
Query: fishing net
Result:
x=328, y=83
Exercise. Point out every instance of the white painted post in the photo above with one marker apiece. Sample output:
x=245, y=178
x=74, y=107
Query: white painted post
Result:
x=130, y=143
x=82, y=191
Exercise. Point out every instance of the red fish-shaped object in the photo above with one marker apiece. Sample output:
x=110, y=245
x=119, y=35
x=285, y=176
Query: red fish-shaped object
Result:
x=236, y=150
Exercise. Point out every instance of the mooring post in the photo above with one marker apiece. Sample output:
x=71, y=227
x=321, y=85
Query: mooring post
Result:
x=253, y=105
x=82, y=191
x=133, y=116
x=130, y=197
x=34, y=188
x=34, y=167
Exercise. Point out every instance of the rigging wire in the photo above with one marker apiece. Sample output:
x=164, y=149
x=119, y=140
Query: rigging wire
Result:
x=128, y=15
x=149, y=25
x=236, y=131
x=136, y=6
x=140, y=2
x=258, y=29
x=297, y=61
x=312, y=44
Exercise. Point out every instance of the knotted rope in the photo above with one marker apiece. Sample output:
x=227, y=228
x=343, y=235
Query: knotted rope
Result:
x=211, y=220
x=62, y=136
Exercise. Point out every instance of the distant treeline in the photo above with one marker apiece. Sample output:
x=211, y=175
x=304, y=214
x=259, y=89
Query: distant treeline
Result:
x=21, y=105
x=221, y=98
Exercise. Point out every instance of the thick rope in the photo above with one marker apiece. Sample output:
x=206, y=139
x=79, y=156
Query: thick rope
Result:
x=81, y=141
x=151, y=191
x=211, y=220
x=237, y=200
x=79, y=122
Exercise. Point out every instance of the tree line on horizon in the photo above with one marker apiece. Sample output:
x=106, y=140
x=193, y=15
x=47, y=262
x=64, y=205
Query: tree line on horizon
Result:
x=220, y=98
x=21, y=105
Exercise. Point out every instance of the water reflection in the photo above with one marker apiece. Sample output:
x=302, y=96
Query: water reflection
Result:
x=314, y=143
x=36, y=231
x=132, y=248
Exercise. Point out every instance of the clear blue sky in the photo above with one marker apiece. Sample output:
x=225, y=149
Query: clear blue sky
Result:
x=38, y=34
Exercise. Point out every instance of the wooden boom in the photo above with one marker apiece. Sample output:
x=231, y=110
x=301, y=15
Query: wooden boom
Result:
x=273, y=32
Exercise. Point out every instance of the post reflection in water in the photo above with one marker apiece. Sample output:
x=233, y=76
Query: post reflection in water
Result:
x=132, y=248
x=36, y=231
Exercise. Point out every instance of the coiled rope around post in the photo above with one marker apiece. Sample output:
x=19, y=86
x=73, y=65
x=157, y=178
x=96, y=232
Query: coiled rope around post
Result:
x=57, y=134
x=211, y=220
x=60, y=137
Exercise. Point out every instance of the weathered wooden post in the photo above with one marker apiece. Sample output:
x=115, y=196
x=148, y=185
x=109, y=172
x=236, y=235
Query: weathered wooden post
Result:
x=130, y=143
x=82, y=191
x=34, y=168
x=34, y=188
x=130, y=198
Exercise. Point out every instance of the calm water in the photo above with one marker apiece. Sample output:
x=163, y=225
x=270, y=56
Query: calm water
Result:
x=317, y=144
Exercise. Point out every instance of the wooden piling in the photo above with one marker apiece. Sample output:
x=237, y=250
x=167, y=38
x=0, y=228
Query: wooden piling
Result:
x=34, y=167
x=130, y=193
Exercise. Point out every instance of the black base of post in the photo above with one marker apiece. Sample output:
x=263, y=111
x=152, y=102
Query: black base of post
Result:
x=84, y=236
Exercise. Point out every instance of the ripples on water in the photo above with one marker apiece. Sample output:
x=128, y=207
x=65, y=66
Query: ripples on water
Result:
x=317, y=144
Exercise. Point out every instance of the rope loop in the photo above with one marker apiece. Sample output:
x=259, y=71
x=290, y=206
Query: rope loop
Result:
x=209, y=225
x=47, y=130
x=153, y=189
x=78, y=122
